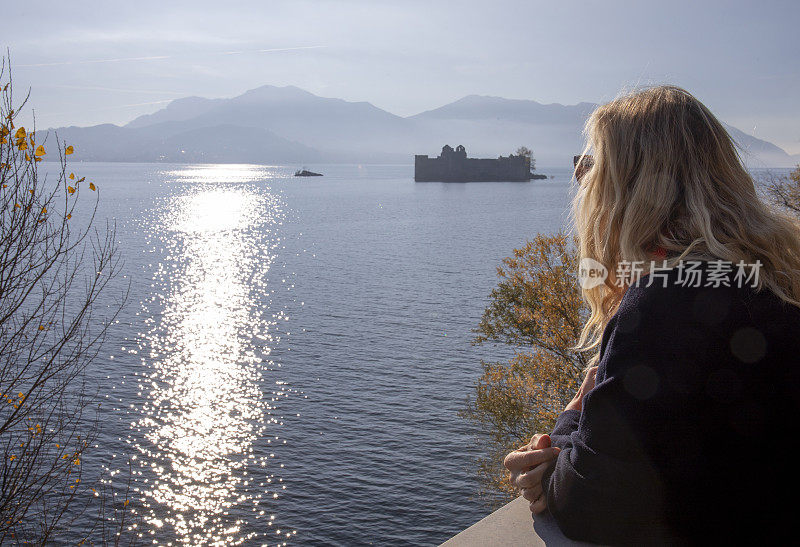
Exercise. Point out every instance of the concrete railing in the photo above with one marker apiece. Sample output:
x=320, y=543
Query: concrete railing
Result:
x=512, y=525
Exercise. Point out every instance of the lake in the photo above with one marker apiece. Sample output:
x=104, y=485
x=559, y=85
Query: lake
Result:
x=293, y=353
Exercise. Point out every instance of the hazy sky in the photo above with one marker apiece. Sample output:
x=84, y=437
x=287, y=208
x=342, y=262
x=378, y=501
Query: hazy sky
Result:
x=90, y=62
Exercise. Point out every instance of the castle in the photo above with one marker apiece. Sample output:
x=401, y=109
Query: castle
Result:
x=455, y=166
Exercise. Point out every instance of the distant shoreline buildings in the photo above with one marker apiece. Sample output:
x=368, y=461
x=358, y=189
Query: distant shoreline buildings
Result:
x=455, y=166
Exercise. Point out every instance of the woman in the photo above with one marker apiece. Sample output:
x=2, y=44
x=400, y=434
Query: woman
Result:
x=684, y=431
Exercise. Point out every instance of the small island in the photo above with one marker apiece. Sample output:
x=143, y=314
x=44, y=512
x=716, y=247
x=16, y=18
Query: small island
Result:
x=306, y=173
x=455, y=166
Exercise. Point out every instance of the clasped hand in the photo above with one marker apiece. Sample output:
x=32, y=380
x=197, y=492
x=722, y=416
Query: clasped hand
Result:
x=528, y=464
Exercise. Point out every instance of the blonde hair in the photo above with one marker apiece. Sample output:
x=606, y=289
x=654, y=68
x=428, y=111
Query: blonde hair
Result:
x=667, y=173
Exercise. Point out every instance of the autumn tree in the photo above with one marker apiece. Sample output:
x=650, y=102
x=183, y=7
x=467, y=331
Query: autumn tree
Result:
x=538, y=309
x=527, y=153
x=54, y=265
x=785, y=190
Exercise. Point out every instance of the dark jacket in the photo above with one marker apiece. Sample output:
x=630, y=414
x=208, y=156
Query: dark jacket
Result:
x=688, y=435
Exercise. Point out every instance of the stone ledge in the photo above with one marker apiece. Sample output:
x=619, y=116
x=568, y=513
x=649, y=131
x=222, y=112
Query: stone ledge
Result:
x=512, y=525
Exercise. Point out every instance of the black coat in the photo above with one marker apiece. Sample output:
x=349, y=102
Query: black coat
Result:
x=688, y=435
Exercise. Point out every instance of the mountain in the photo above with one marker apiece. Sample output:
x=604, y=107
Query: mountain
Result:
x=760, y=153
x=338, y=126
x=493, y=126
x=177, y=111
x=482, y=107
x=273, y=124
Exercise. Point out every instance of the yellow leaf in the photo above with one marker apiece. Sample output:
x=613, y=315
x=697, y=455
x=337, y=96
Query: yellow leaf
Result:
x=22, y=145
x=72, y=176
x=41, y=327
x=20, y=134
x=92, y=186
x=39, y=151
x=69, y=150
x=27, y=157
x=69, y=216
x=44, y=210
x=71, y=189
x=37, y=159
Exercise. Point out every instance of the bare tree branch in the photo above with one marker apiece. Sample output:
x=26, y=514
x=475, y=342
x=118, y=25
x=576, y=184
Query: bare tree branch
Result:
x=54, y=266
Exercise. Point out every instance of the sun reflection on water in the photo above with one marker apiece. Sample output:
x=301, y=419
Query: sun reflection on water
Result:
x=227, y=173
x=204, y=409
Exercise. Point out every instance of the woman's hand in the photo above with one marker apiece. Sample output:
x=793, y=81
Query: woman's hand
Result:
x=527, y=465
x=588, y=385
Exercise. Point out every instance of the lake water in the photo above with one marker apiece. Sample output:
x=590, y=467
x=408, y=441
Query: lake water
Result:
x=294, y=351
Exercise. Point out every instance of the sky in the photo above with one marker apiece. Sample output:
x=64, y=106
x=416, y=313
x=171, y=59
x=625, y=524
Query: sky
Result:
x=91, y=62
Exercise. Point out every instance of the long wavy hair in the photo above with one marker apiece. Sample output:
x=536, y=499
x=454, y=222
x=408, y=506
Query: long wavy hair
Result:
x=666, y=173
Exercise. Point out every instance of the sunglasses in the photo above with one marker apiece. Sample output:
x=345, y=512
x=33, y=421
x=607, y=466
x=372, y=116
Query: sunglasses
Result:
x=582, y=164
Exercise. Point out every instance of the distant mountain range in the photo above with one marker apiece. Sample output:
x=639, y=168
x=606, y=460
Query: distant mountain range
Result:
x=279, y=125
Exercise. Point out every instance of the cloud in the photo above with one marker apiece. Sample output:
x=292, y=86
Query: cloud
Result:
x=116, y=89
x=162, y=57
x=86, y=62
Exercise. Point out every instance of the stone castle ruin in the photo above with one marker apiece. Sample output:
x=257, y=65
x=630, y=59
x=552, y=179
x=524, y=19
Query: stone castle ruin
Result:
x=455, y=166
